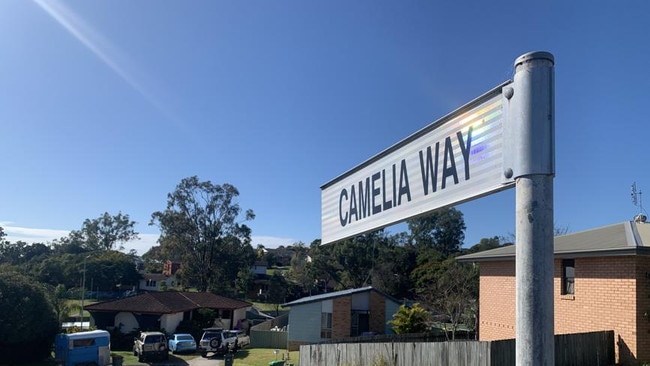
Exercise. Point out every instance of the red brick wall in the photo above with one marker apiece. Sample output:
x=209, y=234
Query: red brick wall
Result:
x=341, y=317
x=607, y=296
x=377, y=313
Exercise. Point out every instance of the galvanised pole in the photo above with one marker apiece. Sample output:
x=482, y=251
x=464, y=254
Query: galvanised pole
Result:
x=533, y=117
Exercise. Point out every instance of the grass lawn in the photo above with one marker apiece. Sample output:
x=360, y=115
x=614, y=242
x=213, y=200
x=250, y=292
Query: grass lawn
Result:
x=244, y=357
x=262, y=356
x=267, y=307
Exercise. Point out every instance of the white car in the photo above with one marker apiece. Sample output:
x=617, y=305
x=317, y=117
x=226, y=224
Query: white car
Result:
x=218, y=341
x=150, y=345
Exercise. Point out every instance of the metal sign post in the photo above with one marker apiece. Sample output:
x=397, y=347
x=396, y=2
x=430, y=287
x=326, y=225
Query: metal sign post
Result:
x=502, y=139
x=531, y=115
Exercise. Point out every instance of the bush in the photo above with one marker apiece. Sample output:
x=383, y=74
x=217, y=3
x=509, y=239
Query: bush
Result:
x=28, y=323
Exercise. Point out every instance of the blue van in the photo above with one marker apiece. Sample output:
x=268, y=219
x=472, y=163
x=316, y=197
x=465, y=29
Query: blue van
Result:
x=91, y=348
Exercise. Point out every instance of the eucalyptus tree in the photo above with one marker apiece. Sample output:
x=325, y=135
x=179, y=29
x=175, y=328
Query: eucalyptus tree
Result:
x=202, y=227
x=442, y=230
x=106, y=232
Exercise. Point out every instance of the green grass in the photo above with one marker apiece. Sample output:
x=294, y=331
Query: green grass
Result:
x=266, y=307
x=243, y=357
x=262, y=356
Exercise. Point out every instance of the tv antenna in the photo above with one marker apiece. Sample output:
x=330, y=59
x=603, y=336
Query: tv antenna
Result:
x=638, y=202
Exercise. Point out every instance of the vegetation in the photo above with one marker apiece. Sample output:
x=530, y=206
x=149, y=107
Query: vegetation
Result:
x=200, y=227
x=203, y=227
x=243, y=357
x=27, y=322
x=414, y=319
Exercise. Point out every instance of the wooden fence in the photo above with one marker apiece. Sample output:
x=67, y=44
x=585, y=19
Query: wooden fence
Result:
x=263, y=337
x=595, y=348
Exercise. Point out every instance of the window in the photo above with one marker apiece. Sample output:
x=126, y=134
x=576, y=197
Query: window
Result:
x=83, y=342
x=326, y=325
x=360, y=323
x=568, y=277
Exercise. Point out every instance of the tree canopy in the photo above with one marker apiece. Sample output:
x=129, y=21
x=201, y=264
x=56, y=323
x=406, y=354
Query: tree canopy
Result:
x=28, y=323
x=201, y=228
x=103, y=233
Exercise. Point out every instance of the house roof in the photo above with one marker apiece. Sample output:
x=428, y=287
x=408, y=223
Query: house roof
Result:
x=155, y=276
x=332, y=295
x=168, y=302
x=626, y=238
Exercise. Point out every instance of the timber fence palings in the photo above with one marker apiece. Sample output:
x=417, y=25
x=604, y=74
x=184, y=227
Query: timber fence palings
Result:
x=594, y=348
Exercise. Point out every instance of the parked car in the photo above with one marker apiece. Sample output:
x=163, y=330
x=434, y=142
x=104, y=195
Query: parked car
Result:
x=182, y=343
x=243, y=340
x=149, y=346
x=218, y=341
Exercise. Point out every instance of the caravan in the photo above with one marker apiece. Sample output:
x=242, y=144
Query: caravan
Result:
x=90, y=348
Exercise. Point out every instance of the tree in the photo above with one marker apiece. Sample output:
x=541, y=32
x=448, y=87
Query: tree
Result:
x=200, y=227
x=453, y=293
x=27, y=322
x=153, y=260
x=485, y=244
x=103, y=233
x=277, y=290
x=60, y=304
x=245, y=280
x=410, y=320
x=442, y=230
x=356, y=258
x=300, y=271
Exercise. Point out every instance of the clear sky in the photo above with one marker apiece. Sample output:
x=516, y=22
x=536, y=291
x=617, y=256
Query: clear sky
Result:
x=106, y=105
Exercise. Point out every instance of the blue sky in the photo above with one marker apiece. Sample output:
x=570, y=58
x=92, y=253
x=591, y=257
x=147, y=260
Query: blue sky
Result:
x=106, y=106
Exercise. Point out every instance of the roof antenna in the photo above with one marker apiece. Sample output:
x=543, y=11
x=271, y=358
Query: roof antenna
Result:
x=637, y=201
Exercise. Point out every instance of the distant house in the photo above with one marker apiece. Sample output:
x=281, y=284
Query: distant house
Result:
x=165, y=310
x=339, y=314
x=602, y=282
x=259, y=268
x=281, y=255
x=170, y=267
x=156, y=282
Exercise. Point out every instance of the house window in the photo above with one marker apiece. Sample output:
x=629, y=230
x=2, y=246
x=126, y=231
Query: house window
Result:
x=326, y=325
x=568, y=277
x=360, y=323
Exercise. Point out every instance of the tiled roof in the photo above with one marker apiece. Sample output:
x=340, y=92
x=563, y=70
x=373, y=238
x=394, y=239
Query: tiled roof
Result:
x=332, y=295
x=626, y=238
x=168, y=302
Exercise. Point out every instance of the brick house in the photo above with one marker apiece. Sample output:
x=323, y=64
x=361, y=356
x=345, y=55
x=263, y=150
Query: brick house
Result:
x=339, y=314
x=602, y=282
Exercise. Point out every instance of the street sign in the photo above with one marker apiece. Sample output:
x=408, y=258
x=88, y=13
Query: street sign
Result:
x=454, y=159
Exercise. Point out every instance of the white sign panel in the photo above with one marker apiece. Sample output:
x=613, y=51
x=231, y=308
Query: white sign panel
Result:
x=455, y=159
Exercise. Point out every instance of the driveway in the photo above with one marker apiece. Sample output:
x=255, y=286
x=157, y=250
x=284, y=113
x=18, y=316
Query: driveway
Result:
x=197, y=361
x=201, y=361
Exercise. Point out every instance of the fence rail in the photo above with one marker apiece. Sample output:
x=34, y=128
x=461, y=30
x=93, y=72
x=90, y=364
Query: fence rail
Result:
x=594, y=348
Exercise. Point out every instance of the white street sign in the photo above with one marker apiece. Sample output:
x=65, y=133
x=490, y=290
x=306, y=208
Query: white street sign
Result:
x=455, y=159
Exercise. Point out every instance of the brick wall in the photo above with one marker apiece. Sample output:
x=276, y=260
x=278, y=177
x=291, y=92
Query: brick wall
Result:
x=643, y=308
x=497, y=301
x=377, y=313
x=607, y=296
x=341, y=317
x=295, y=345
